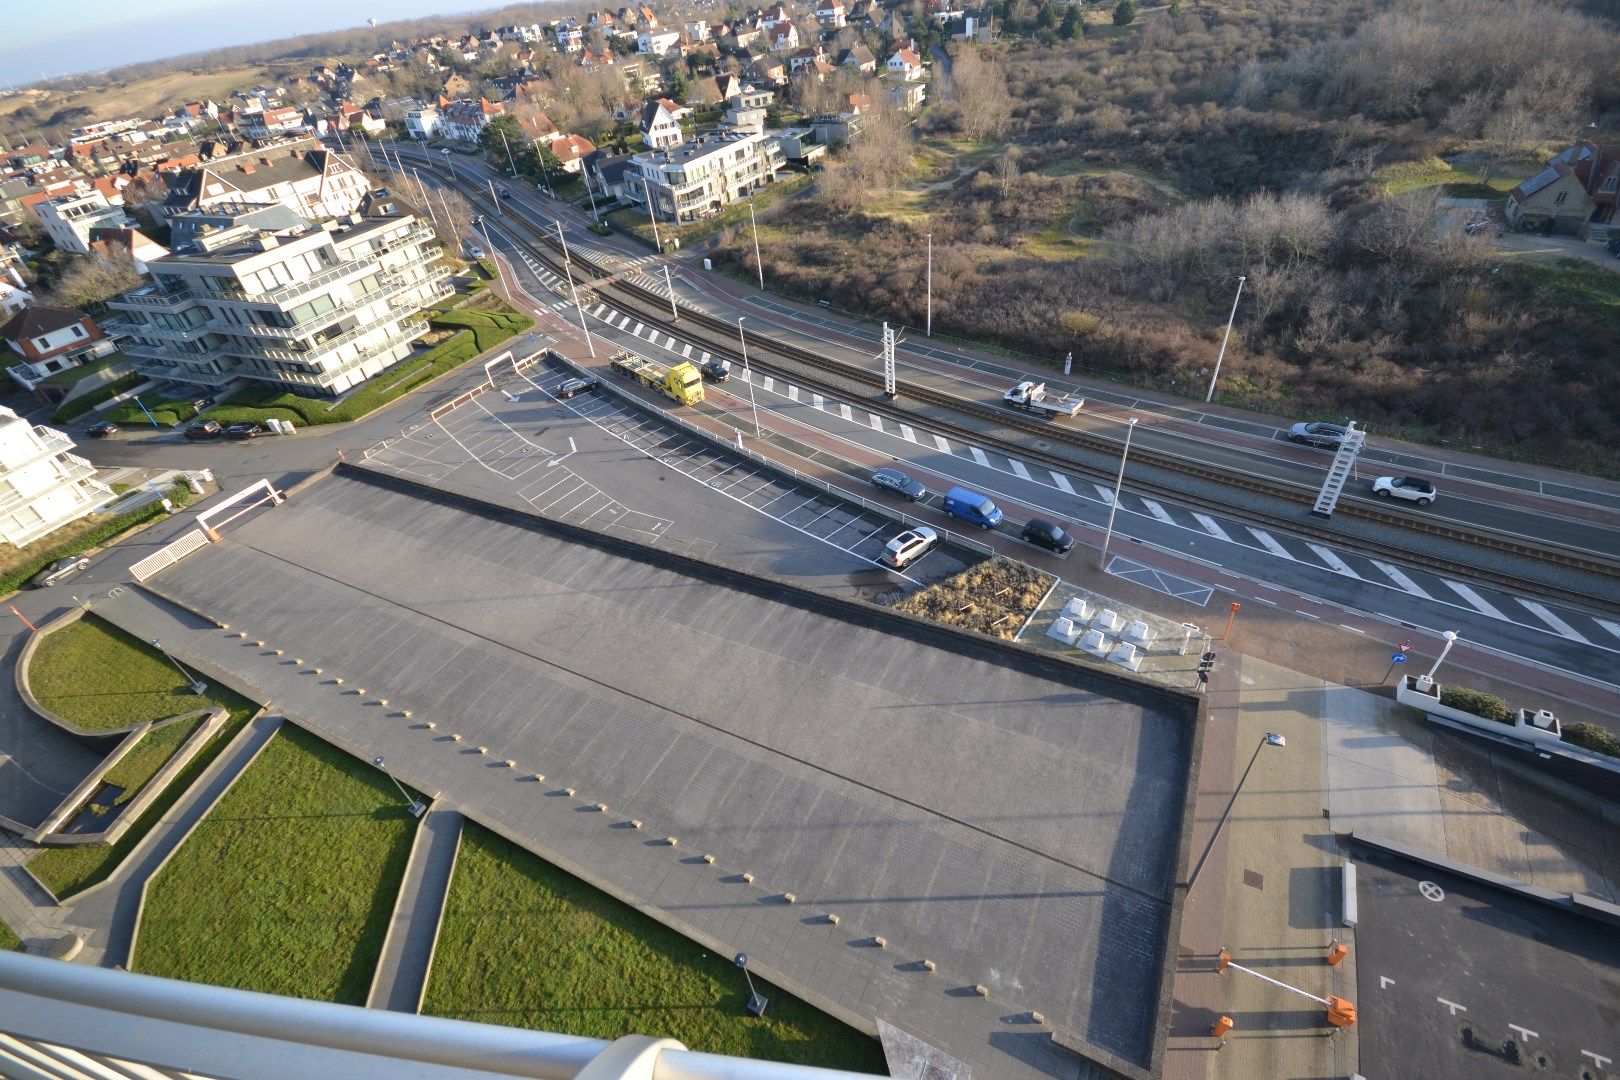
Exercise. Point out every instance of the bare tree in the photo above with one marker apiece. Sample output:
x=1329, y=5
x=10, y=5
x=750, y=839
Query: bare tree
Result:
x=982, y=100
x=93, y=280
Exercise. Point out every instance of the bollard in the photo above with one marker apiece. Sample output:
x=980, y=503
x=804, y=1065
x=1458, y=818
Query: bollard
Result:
x=1340, y=1013
x=789, y=898
x=982, y=990
x=1337, y=953
x=671, y=841
x=748, y=879
x=930, y=965
x=709, y=859
x=1222, y=1025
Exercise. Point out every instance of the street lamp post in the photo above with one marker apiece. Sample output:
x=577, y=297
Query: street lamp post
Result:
x=651, y=216
x=674, y=312
x=568, y=271
x=929, y=331
x=416, y=807
x=748, y=374
x=756, y=1001
x=758, y=265
x=196, y=684
x=1113, y=503
x=1224, y=339
x=1427, y=681
x=1271, y=738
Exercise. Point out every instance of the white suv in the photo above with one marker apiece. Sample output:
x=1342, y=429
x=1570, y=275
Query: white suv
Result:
x=1409, y=488
x=909, y=546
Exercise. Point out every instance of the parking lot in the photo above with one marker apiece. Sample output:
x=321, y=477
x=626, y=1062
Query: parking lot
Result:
x=1456, y=978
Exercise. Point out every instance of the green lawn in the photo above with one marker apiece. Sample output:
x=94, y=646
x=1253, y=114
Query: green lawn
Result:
x=91, y=398
x=9, y=940
x=1460, y=182
x=74, y=374
x=1568, y=283
x=97, y=530
x=526, y=945
x=104, y=679
x=634, y=220
x=288, y=885
x=157, y=746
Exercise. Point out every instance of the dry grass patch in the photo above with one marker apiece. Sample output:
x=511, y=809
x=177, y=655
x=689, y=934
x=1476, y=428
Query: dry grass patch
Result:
x=993, y=598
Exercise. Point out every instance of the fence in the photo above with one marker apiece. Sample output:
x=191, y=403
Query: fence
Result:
x=168, y=555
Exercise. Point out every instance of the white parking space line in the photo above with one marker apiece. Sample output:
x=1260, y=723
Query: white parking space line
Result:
x=1476, y=601
x=792, y=392
x=1269, y=542
x=1062, y=483
x=1158, y=511
x=907, y=433
x=846, y=412
x=1336, y=564
x=1018, y=468
x=978, y=455
x=875, y=420
x=817, y=401
x=686, y=350
x=941, y=445
x=704, y=358
x=1405, y=583
x=1541, y=612
x=765, y=381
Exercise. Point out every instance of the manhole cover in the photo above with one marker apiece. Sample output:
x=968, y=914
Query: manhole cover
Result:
x=1254, y=880
x=1042, y=444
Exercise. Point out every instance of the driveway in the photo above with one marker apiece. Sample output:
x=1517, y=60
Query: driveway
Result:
x=1568, y=247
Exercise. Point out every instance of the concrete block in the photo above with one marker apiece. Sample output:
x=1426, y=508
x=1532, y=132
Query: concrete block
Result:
x=878, y=942
x=789, y=898
x=281, y=652
x=1036, y=1018
x=260, y=644
x=709, y=859
x=930, y=965
x=748, y=879
x=832, y=918
x=539, y=776
x=241, y=633
x=456, y=737
x=337, y=680
x=223, y=625
x=601, y=808
x=1139, y=634
x=1125, y=655
x=981, y=989
x=318, y=671
x=1094, y=643
x=431, y=724
x=483, y=749
x=672, y=841
x=1077, y=611
x=1106, y=620
x=511, y=763
x=1063, y=629
x=569, y=792
x=635, y=823
x=383, y=702
x=360, y=691
x=298, y=661
x=406, y=713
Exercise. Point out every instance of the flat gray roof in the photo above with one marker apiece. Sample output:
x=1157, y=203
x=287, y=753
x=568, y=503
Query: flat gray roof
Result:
x=1014, y=819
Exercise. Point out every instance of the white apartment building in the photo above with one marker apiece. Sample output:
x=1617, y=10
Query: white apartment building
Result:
x=699, y=178
x=422, y=123
x=317, y=310
x=42, y=486
x=306, y=178
x=68, y=221
x=656, y=44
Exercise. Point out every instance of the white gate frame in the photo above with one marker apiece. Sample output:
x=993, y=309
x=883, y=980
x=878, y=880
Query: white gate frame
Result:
x=267, y=494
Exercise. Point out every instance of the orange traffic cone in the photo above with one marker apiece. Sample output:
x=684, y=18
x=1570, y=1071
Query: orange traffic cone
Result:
x=1222, y=1025
x=1340, y=1013
x=1337, y=953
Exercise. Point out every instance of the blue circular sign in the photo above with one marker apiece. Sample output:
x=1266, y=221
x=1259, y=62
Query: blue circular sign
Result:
x=1398, y=658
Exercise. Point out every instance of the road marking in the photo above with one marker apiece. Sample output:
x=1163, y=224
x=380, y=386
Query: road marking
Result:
x=1406, y=584
x=1385, y=982
x=1431, y=891
x=792, y=392
x=638, y=329
x=1452, y=1005
x=1613, y=628
x=978, y=455
x=817, y=401
x=599, y=310
x=907, y=433
x=1063, y=483
x=686, y=350
x=704, y=357
x=1158, y=511
x=1106, y=494
x=1336, y=564
x=766, y=382
x=1525, y=1034
x=1598, y=1059
x=845, y=412
x=1269, y=542
x=941, y=445
x=1018, y=469
x=1482, y=605
x=1541, y=612
x=1212, y=527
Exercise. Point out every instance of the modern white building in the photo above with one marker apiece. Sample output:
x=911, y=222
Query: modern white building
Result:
x=42, y=485
x=701, y=177
x=317, y=310
x=68, y=221
x=303, y=176
x=422, y=123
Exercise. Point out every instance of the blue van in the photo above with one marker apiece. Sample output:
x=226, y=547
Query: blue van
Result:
x=972, y=507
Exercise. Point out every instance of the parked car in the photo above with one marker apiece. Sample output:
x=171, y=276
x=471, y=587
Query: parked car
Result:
x=1322, y=436
x=909, y=546
x=475, y=251
x=201, y=403
x=577, y=386
x=244, y=430
x=1409, y=488
x=716, y=370
x=59, y=571
x=502, y=190
x=971, y=507
x=445, y=151
x=206, y=429
x=898, y=482
x=1048, y=535
x=102, y=430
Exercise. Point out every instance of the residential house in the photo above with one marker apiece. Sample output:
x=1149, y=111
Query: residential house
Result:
x=14, y=293
x=832, y=15
x=903, y=95
x=771, y=71
x=727, y=87
x=1575, y=192
x=46, y=339
x=570, y=36
x=125, y=243
x=650, y=43
x=783, y=37
x=455, y=87
x=421, y=123
x=905, y=64
x=646, y=19
x=859, y=57
x=270, y=123
x=806, y=58
x=702, y=176
x=463, y=121
x=536, y=125
x=771, y=17
x=661, y=123
x=571, y=151
x=945, y=11
x=605, y=174
x=42, y=486
x=312, y=309
x=308, y=179
x=697, y=31
x=68, y=221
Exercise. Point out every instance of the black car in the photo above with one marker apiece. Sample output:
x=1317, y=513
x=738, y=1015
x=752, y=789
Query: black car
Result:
x=1322, y=436
x=59, y=571
x=208, y=429
x=103, y=429
x=1048, y=535
x=576, y=386
x=898, y=482
x=502, y=190
x=244, y=430
x=716, y=371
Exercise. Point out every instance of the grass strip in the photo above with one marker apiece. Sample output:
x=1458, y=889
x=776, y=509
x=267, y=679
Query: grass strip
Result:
x=288, y=885
x=527, y=945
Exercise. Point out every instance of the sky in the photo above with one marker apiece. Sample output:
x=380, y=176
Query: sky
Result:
x=44, y=39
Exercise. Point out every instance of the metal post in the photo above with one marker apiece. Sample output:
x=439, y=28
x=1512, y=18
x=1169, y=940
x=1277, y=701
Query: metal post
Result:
x=674, y=313
x=1427, y=681
x=1227, y=337
x=449, y=219
x=416, y=807
x=1271, y=739
x=758, y=264
x=147, y=411
x=422, y=188
x=568, y=271
x=590, y=191
x=647, y=191
x=748, y=374
x=545, y=173
x=1113, y=505
x=500, y=275
x=497, y=198
x=196, y=684
x=510, y=161
x=929, y=332
x=890, y=388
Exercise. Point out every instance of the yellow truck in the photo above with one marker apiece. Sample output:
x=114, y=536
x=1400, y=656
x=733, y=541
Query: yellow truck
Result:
x=682, y=382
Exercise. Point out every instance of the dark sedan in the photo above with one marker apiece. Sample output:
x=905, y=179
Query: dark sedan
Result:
x=898, y=482
x=103, y=429
x=1048, y=535
x=244, y=430
x=58, y=572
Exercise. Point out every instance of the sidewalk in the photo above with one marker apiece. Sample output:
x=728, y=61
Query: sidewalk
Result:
x=402, y=969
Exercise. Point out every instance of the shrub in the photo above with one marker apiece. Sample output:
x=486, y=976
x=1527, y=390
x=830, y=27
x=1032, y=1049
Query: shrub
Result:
x=1478, y=702
x=87, y=401
x=487, y=268
x=94, y=538
x=1591, y=737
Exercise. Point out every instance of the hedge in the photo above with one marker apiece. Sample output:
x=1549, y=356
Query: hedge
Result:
x=170, y=412
x=486, y=268
x=15, y=580
x=1591, y=737
x=489, y=328
x=1478, y=702
x=85, y=402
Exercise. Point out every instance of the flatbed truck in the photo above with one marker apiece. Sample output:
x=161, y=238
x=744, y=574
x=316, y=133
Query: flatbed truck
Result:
x=680, y=383
x=1032, y=397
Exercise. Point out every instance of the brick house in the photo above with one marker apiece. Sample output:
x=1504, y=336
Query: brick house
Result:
x=1577, y=190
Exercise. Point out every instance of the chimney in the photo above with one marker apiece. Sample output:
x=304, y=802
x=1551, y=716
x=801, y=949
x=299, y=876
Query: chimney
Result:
x=246, y=166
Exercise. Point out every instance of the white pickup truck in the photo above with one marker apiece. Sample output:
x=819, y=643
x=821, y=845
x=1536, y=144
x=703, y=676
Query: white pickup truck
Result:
x=1032, y=397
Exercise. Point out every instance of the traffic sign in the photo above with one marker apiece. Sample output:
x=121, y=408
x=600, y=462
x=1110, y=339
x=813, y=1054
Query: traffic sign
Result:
x=1398, y=658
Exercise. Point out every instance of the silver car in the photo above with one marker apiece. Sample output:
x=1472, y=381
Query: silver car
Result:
x=909, y=546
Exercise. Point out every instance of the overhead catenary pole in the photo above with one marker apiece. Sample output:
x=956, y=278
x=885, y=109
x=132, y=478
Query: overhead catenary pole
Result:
x=1224, y=339
x=498, y=211
x=758, y=263
x=652, y=217
x=595, y=216
x=674, y=312
x=510, y=161
x=748, y=374
x=500, y=274
x=449, y=219
x=929, y=331
x=427, y=202
x=1113, y=504
x=568, y=271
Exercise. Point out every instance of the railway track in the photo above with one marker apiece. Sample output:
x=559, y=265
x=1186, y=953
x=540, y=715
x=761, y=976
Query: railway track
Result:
x=844, y=379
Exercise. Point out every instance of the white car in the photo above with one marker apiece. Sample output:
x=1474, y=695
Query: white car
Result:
x=1409, y=488
x=909, y=546
x=475, y=251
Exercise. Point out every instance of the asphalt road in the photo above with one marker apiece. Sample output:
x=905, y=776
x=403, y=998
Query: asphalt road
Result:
x=1462, y=980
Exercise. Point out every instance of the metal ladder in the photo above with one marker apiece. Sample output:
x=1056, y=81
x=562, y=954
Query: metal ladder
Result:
x=1339, y=473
